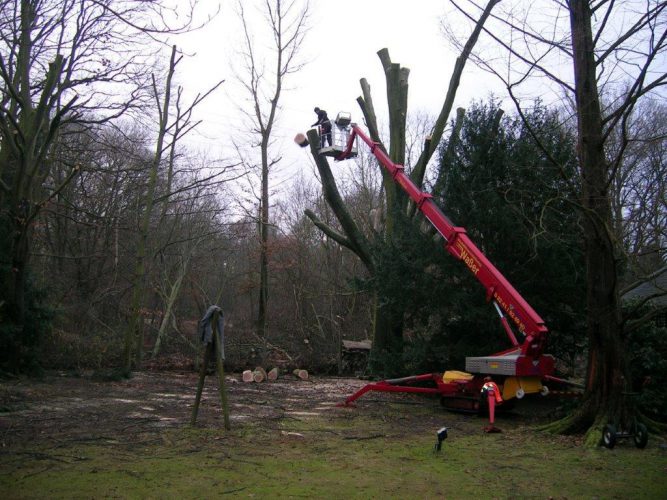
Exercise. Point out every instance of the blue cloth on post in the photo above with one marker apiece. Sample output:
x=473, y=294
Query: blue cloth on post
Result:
x=205, y=330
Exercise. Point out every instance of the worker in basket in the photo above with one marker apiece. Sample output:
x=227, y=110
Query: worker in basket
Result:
x=325, y=126
x=492, y=393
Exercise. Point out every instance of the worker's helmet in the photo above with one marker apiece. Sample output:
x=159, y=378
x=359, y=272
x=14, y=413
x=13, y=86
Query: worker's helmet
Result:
x=317, y=110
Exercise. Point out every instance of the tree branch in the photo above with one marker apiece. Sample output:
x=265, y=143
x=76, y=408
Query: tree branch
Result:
x=329, y=231
x=454, y=82
x=359, y=242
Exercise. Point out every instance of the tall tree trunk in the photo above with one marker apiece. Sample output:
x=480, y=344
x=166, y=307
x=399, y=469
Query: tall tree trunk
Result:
x=135, y=328
x=603, y=400
x=21, y=344
x=387, y=351
x=287, y=25
x=263, y=243
x=28, y=132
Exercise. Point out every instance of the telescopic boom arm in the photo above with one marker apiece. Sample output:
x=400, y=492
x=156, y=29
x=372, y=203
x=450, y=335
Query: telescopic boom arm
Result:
x=506, y=299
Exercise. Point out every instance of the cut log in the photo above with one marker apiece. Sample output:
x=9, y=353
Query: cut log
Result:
x=273, y=374
x=361, y=345
x=302, y=374
x=247, y=376
x=259, y=375
x=262, y=372
x=301, y=140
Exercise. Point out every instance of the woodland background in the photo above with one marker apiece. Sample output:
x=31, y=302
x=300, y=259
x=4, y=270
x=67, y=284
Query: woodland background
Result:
x=119, y=236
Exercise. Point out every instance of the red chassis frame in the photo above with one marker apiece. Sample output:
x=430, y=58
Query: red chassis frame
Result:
x=461, y=394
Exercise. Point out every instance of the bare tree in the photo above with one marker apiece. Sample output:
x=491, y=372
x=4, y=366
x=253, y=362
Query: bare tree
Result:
x=613, y=48
x=638, y=190
x=183, y=233
x=263, y=81
x=61, y=62
x=171, y=130
x=85, y=226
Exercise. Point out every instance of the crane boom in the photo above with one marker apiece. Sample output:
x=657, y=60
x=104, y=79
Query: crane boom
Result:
x=523, y=359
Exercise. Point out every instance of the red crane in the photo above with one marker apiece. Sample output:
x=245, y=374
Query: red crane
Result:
x=518, y=370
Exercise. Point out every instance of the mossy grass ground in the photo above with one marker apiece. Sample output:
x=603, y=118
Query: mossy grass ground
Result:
x=382, y=449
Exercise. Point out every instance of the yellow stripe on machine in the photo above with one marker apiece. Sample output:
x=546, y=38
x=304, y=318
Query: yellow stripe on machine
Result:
x=451, y=375
x=529, y=385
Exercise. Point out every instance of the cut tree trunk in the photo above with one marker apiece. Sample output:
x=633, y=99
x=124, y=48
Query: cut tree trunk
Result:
x=259, y=375
x=302, y=374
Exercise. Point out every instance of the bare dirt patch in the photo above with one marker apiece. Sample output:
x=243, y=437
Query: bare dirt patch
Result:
x=62, y=410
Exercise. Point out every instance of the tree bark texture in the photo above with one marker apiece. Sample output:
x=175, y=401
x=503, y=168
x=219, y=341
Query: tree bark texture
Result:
x=28, y=127
x=605, y=378
x=263, y=242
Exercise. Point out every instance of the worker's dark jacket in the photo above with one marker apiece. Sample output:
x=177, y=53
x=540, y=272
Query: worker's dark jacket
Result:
x=323, y=120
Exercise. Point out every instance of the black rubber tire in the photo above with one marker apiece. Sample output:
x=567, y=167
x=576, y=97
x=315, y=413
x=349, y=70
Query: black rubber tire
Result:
x=609, y=436
x=640, y=436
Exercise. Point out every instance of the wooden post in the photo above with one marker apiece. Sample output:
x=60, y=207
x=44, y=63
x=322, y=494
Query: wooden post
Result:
x=221, y=370
x=200, y=385
x=213, y=348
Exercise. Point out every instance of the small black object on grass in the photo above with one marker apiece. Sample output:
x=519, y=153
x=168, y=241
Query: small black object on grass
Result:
x=442, y=435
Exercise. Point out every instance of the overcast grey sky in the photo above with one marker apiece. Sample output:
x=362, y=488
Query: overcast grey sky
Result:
x=340, y=48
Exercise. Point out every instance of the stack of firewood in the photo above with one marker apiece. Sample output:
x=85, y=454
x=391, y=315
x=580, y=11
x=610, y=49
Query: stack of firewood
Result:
x=259, y=374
